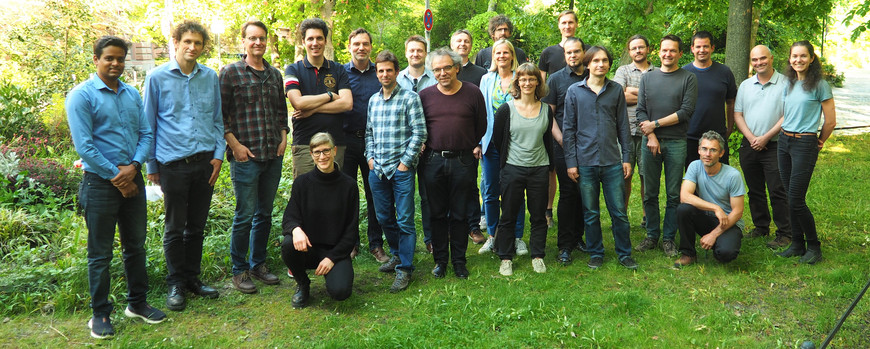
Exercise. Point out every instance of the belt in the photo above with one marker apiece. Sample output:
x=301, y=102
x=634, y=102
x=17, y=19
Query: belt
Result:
x=799, y=135
x=206, y=155
x=447, y=154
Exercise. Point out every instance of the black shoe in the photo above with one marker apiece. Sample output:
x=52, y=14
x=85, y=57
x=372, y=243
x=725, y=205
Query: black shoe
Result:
x=200, y=289
x=757, y=232
x=403, y=278
x=565, y=257
x=389, y=266
x=175, y=298
x=101, y=327
x=793, y=250
x=581, y=246
x=595, y=262
x=145, y=312
x=439, y=270
x=812, y=256
x=300, y=298
x=461, y=271
x=629, y=263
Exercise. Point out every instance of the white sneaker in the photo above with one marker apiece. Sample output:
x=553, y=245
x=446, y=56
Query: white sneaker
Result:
x=482, y=223
x=487, y=246
x=506, y=268
x=522, y=249
x=538, y=265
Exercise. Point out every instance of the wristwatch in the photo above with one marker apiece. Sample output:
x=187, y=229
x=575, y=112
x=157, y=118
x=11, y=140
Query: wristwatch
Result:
x=657, y=124
x=137, y=165
x=330, y=95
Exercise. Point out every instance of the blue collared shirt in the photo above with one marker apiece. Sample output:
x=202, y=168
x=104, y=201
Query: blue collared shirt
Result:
x=185, y=113
x=363, y=85
x=593, y=123
x=407, y=82
x=396, y=130
x=108, y=128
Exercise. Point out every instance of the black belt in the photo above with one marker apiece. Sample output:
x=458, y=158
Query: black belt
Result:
x=206, y=155
x=447, y=154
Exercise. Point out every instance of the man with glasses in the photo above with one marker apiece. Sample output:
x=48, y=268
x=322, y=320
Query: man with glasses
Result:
x=500, y=27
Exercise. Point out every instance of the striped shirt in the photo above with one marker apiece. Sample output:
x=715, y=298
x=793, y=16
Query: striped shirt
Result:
x=395, y=130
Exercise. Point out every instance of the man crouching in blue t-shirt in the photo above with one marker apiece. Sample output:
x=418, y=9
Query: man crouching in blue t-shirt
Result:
x=711, y=204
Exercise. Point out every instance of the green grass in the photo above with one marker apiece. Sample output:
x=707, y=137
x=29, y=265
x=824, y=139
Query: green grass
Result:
x=757, y=301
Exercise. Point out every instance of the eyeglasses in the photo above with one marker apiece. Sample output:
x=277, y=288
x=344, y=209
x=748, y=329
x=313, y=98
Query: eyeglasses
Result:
x=527, y=80
x=442, y=69
x=257, y=38
x=319, y=153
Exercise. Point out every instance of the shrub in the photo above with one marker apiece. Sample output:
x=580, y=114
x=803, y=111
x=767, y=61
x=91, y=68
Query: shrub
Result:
x=18, y=110
x=53, y=119
x=62, y=182
x=831, y=75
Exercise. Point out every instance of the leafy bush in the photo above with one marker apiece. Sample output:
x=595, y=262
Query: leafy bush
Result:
x=53, y=119
x=831, y=75
x=18, y=110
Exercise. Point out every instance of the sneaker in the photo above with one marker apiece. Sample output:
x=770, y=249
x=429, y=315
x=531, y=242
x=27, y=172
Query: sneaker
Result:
x=757, y=232
x=289, y=273
x=812, y=256
x=476, y=236
x=629, y=263
x=522, y=249
x=390, y=266
x=145, y=312
x=538, y=265
x=564, y=257
x=581, y=246
x=487, y=246
x=646, y=245
x=685, y=261
x=779, y=242
x=595, y=262
x=243, y=283
x=793, y=251
x=101, y=328
x=670, y=248
x=261, y=273
x=403, y=278
x=482, y=223
x=549, y=215
x=506, y=268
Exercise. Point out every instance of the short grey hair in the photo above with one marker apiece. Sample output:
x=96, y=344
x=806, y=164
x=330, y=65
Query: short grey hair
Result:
x=441, y=52
x=321, y=138
x=714, y=136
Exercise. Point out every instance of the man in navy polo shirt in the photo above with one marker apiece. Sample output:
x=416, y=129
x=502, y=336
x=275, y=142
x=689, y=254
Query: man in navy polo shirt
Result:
x=363, y=81
x=319, y=91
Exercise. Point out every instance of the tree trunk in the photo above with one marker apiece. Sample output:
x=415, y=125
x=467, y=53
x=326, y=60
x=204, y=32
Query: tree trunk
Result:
x=492, y=5
x=737, y=43
x=326, y=12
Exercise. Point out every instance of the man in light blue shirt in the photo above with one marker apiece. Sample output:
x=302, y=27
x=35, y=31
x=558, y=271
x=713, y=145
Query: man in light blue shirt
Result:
x=113, y=137
x=183, y=107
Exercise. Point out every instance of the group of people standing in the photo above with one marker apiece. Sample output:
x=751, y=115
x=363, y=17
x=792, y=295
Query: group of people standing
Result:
x=431, y=125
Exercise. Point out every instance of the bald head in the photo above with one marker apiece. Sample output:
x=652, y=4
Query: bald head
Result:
x=762, y=61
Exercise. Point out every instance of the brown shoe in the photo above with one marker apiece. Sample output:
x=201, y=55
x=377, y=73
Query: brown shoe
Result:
x=243, y=283
x=476, y=236
x=261, y=273
x=380, y=255
x=354, y=252
x=685, y=261
x=429, y=247
x=779, y=242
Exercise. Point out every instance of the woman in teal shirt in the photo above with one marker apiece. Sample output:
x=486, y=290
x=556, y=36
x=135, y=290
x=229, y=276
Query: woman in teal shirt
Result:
x=806, y=97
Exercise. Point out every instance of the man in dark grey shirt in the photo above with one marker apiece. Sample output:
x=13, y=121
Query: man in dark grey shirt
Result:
x=665, y=103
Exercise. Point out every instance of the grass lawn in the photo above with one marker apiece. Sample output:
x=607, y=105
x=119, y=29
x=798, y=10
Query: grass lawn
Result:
x=757, y=301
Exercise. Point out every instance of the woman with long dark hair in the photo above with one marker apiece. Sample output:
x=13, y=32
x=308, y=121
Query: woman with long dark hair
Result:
x=806, y=97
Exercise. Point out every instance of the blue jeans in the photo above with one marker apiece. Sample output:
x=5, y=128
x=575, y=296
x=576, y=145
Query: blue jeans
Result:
x=490, y=187
x=104, y=208
x=609, y=178
x=673, y=157
x=393, y=200
x=797, y=160
x=255, y=184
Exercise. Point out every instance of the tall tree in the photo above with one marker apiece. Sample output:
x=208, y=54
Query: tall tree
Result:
x=738, y=39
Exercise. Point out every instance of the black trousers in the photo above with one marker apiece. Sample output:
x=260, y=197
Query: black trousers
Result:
x=355, y=158
x=518, y=183
x=761, y=169
x=448, y=181
x=570, y=210
x=339, y=280
x=693, y=222
x=186, y=199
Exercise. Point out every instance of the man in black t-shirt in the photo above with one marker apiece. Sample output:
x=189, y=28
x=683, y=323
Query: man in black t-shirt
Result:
x=500, y=27
x=553, y=57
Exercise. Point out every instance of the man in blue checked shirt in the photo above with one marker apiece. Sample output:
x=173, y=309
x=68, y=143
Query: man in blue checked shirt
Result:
x=183, y=106
x=112, y=136
x=395, y=133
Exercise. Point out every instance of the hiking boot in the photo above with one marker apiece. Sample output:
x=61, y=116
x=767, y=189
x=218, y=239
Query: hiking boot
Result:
x=145, y=312
x=522, y=249
x=812, y=256
x=506, y=268
x=380, y=254
x=261, y=273
x=564, y=257
x=476, y=236
x=538, y=265
x=243, y=283
x=793, y=250
x=595, y=263
x=670, y=248
x=757, y=233
x=646, y=245
x=779, y=242
x=629, y=263
x=487, y=246
x=300, y=298
x=101, y=328
x=390, y=266
x=403, y=278
x=685, y=261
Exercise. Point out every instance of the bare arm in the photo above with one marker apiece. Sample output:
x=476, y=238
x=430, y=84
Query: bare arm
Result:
x=830, y=114
x=631, y=95
x=300, y=102
x=557, y=133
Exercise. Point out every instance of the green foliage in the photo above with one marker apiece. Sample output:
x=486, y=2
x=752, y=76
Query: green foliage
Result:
x=858, y=11
x=53, y=119
x=831, y=75
x=18, y=110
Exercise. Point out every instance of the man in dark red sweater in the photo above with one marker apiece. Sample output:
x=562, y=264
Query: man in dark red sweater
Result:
x=455, y=120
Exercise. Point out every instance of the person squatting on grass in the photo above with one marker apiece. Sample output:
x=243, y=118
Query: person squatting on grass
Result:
x=807, y=96
x=523, y=141
x=112, y=135
x=711, y=204
x=182, y=104
x=321, y=224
